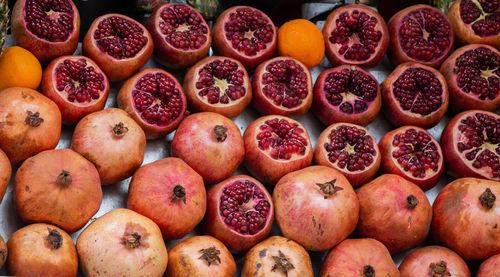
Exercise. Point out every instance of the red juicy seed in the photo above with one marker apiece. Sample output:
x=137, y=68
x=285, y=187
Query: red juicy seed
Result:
x=485, y=19
x=82, y=83
x=226, y=70
x=49, y=19
x=183, y=27
x=282, y=139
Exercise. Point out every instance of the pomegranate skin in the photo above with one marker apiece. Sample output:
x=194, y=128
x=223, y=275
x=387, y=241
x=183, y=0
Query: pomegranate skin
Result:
x=433, y=261
x=5, y=172
x=3, y=252
x=490, y=267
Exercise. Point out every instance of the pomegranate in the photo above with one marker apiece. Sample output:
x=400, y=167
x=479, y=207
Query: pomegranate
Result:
x=356, y=35
x=122, y=243
x=466, y=218
x=5, y=172
x=282, y=86
x=77, y=85
x=29, y=123
x=274, y=146
x=48, y=29
x=415, y=94
x=118, y=44
x=200, y=256
x=155, y=100
x=171, y=194
x=346, y=93
x=359, y=257
x=41, y=250
x=433, y=261
x=490, y=267
x=277, y=256
x=3, y=252
x=211, y=144
x=471, y=143
x=420, y=33
x=246, y=34
x=316, y=207
x=218, y=84
x=112, y=141
x=473, y=76
x=412, y=153
x=180, y=34
x=240, y=212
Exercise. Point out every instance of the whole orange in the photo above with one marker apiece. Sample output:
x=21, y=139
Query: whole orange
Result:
x=302, y=40
x=19, y=68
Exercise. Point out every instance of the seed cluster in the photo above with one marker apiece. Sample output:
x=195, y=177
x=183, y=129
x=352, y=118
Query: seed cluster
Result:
x=282, y=138
x=489, y=25
x=183, y=27
x=80, y=81
x=225, y=70
x=49, y=19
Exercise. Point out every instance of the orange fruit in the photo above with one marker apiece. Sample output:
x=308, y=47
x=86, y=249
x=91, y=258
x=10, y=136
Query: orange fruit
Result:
x=303, y=40
x=19, y=68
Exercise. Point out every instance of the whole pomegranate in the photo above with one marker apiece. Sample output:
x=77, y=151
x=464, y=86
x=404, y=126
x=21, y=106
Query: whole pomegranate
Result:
x=122, y=243
x=240, y=212
x=277, y=256
x=5, y=172
x=490, y=267
x=211, y=144
x=433, y=261
x=112, y=141
x=3, y=252
x=316, y=207
x=465, y=218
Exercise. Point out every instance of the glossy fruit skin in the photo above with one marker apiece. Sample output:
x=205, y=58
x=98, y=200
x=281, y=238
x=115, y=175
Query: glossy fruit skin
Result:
x=307, y=215
x=19, y=68
x=5, y=172
x=3, y=252
x=419, y=262
x=490, y=267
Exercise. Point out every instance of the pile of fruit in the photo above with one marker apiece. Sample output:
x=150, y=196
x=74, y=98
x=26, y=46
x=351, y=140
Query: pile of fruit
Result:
x=316, y=207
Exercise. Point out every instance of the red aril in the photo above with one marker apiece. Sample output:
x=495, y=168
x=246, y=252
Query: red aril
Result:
x=5, y=172
x=433, y=261
x=3, y=252
x=490, y=267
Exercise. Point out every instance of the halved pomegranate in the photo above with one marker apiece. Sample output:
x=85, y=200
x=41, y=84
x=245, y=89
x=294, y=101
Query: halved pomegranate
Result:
x=77, y=85
x=218, y=84
x=346, y=93
x=490, y=267
x=48, y=29
x=415, y=94
x=246, y=34
x=471, y=145
x=473, y=76
x=351, y=149
x=435, y=261
x=240, y=212
x=5, y=172
x=282, y=86
x=155, y=100
x=356, y=35
x=274, y=146
x=180, y=34
x=420, y=33
x=118, y=44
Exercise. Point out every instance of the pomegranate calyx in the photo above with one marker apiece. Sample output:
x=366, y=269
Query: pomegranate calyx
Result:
x=282, y=264
x=368, y=271
x=179, y=194
x=132, y=240
x=411, y=201
x=54, y=238
x=220, y=133
x=120, y=129
x=329, y=188
x=64, y=179
x=487, y=199
x=210, y=255
x=33, y=119
x=439, y=269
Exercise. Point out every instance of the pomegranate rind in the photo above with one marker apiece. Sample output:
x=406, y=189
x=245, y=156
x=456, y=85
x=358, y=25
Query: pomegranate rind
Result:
x=418, y=262
x=490, y=267
x=3, y=252
x=5, y=173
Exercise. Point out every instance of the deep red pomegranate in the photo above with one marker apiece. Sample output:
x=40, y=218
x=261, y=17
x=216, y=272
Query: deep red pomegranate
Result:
x=433, y=261
x=473, y=76
x=112, y=141
x=466, y=217
x=29, y=123
x=118, y=44
x=170, y=193
x=274, y=146
x=412, y=153
x=359, y=257
x=180, y=34
x=200, y=256
x=77, y=85
x=155, y=100
x=415, y=94
x=218, y=84
x=346, y=93
x=41, y=250
x=351, y=149
x=122, y=243
x=471, y=143
x=476, y=21
x=282, y=86
x=356, y=35
x=3, y=252
x=211, y=144
x=240, y=212
x=246, y=34
x=5, y=172
x=490, y=267
x=48, y=29
x=420, y=33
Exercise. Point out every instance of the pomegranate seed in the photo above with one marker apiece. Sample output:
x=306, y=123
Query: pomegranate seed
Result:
x=80, y=81
x=51, y=20
x=221, y=75
x=282, y=139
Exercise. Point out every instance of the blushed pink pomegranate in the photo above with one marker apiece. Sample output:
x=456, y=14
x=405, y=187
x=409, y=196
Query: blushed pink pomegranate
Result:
x=433, y=261
x=346, y=93
x=180, y=34
x=356, y=35
x=118, y=44
x=351, y=149
x=274, y=146
x=48, y=29
x=155, y=100
x=246, y=34
x=3, y=252
x=218, y=84
x=5, y=172
x=282, y=86
x=240, y=212
x=420, y=33
x=490, y=267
